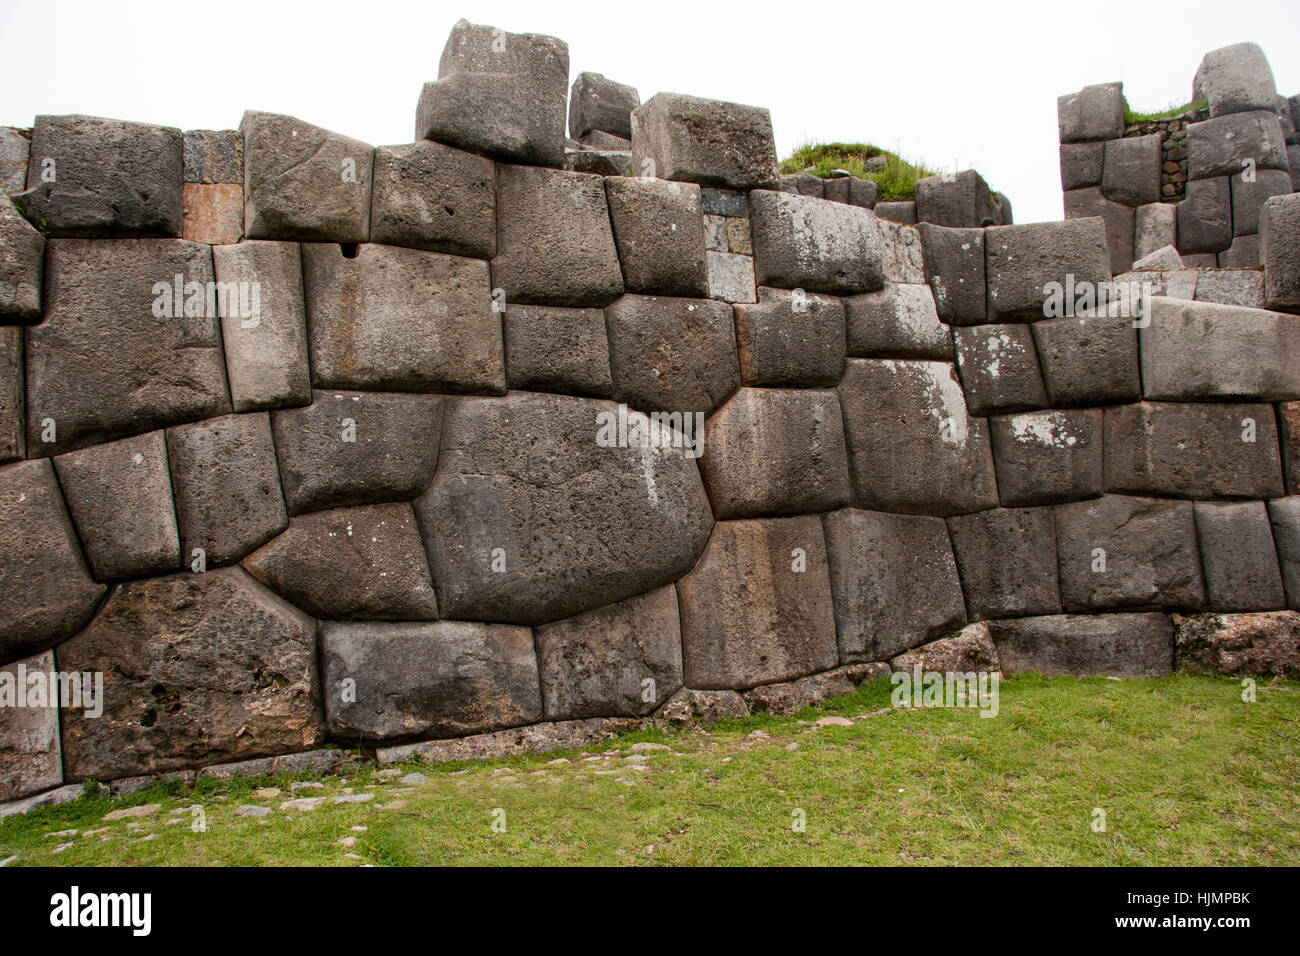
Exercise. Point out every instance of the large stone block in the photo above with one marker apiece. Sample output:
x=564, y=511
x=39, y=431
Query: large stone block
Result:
x=1021, y=261
x=1288, y=417
x=790, y=338
x=814, y=244
x=901, y=211
x=1081, y=165
x=1086, y=645
x=1227, y=145
x=303, y=182
x=1007, y=561
x=960, y=200
x=954, y=267
x=395, y=319
x=672, y=354
x=1284, y=514
x=901, y=257
x=894, y=582
x=1047, y=457
x=198, y=669
x=120, y=499
x=709, y=142
x=1132, y=170
x=365, y=563
x=22, y=266
x=659, y=233
x=1236, y=79
x=803, y=183
x=1248, y=198
x=92, y=177
x=1094, y=113
x=1121, y=552
x=119, y=352
x=1193, y=450
x=1280, y=252
x=434, y=197
x=551, y=349
x=540, y=509
x=1240, y=644
x=773, y=451
x=913, y=446
x=900, y=321
x=213, y=156
x=756, y=608
x=212, y=213
x=15, y=147
x=1089, y=203
x=1092, y=360
x=29, y=736
x=1238, y=556
x=1155, y=225
x=601, y=162
x=731, y=277
x=969, y=649
x=350, y=448
x=1244, y=253
x=13, y=414
x=999, y=368
x=1205, y=216
x=597, y=103
x=597, y=664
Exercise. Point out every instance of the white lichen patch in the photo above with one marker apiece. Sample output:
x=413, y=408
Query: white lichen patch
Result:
x=1051, y=429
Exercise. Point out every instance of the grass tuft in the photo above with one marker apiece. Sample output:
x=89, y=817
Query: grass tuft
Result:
x=897, y=181
x=1131, y=117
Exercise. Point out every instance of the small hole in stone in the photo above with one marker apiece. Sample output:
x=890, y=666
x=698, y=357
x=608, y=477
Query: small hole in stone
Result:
x=349, y=249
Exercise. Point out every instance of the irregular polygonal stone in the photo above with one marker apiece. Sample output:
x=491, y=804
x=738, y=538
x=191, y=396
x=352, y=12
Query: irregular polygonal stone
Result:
x=13, y=425
x=1288, y=416
x=1192, y=450
x=814, y=244
x=1022, y=260
x=364, y=563
x=999, y=368
x=1240, y=644
x=789, y=697
x=724, y=202
x=803, y=183
x=599, y=140
x=557, y=350
x=597, y=103
x=970, y=649
x=954, y=267
x=29, y=736
x=836, y=189
x=211, y=156
x=1237, y=78
x=119, y=352
x=672, y=354
x=756, y=608
x=1155, y=225
x=1244, y=253
x=1047, y=457
x=22, y=265
x=1132, y=170
x=212, y=213
x=771, y=451
x=1081, y=165
x=898, y=322
x=709, y=142
x=535, y=738
x=596, y=664
x=1004, y=216
x=960, y=200
x=1122, y=552
x=1280, y=252
x=15, y=146
x=901, y=257
x=894, y=582
x=198, y=668
x=863, y=192
x=1226, y=145
x=120, y=498
x=659, y=232
x=1007, y=561
x=1089, y=203
x=789, y=338
x=398, y=319
x=913, y=447
x=1205, y=216
x=434, y=197
x=303, y=182
x=264, y=329
x=1238, y=556
x=901, y=211
x=92, y=177
x=731, y=277
x=1084, y=645
x=601, y=162
x=1248, y=198
x=1284, y=514
x=577, y=515
x=1166, y=258
x=1094, y=113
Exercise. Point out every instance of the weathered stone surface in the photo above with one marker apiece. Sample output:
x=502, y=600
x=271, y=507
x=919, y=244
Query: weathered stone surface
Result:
x=212, y=213
x=731, y=277
x=441, y=679
x=1284, y=514
x=111, y=178
x=597, y=103
x=1205, y=216
x=1237, y=78
x=212, y=156
x=395, y=319
x=198, y=668
x=894, y=582
x=102, y=364
x=527, y=483
x=814, y=244
x=999, y=368
x=805, y=184
x=672, y=354
x=836, y=189
x=1115, y=645
x=120, y=499
x=688, y=706
x=1089, y=203
x=1047, y=457
x=265, y=343
x=1288, y=416
x=554, y=241
x=1147, y=550
x=1094, y=113
x=29, y=736
x=954, y=267
x=709, y=142
x=659, y=233
x=1089, y=361
x=749, y=617
x=434, y=197
x=600, y=140
x=22, y=266
x=1248, y=198
x=1021, y=260
x=1199, y=350
x=970, y=649
x=1132, y=170
x=365, y=563
x=536, y=738
x=596, y=664
x=1166, y=258
x=349, y=448
x=1155, y=225
x=863, y=192
x=1226, y=145
x=15, y=146
x=13, y=424
x=960, y=200
x=1240, y=644
x=903, y=211
x=773, y=451
x=303, y=182
x=1007, y=561
x=901, y=257
x=1244, y=253
x=321, y=761
x=46, y=593
x=1081, y=165
x=900, y=321
x=913, y=447
x=601, y=162
x=790, y=339
x=789, y=697
x=227, y=486
x=1238, y=557
x=557, y=350
x=1280, y=252
x=1193, y=450
x=724, y=202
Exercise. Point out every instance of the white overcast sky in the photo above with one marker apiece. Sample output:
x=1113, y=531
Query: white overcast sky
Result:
x=961, y=84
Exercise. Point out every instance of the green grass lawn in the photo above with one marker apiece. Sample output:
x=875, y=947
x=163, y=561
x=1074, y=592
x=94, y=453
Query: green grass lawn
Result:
x=1186, y=772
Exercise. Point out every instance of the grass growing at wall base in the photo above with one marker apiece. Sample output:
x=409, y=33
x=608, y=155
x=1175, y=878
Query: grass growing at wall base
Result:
x=1186, y=772
x=897, y=181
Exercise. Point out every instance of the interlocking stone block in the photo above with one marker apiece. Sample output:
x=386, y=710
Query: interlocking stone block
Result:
x=15, y=147
x=954, y=267
x=1094, y=113
x=434, y=197
x=901, y=211
x=960, y=200
x=601, y=162
x=29, y=737
x=813, y=244
x=1248, y=198
x=212, y=213
x=13, y=424
x=600, y=140
x=212, y=156
x=1089, y=203
x=1086, y=645
x=894, y=582
x=1155, y=225
x=1227, y=145
x=550, y=349
x=756, y=608
x=1164, y=259
x=1081, y=165
x=788, y=338
x=1239, y=287
x=396, y=319
x=1236, y=79
x=1266, y=644
x=900, y=321
x=1047, y=457
x=1288, y=417
x=863, y=192
x=1132, y=170
x=969, y=649
x=724, y=202
x=999, y=368
x=1284, y=515
x=1238, y=556
x=731, y=277
x=805, y=184
x=22, y=265
x=120, y=499
x=1244, y=253
x=597, y=664
x=597, y=103
x=836, y=189
x=1007, y=561
x=659, y=233
x=1280, y=252
x=1022, y=260
x=709, y=142
x=901, y=256
x=1205, y=216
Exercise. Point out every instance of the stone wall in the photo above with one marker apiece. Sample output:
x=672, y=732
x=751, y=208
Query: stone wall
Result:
x=449, y=448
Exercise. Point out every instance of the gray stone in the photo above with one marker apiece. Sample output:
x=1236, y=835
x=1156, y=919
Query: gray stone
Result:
x=836, y=189
x=960, y=200
x=1007, y=561
x=659, y=233
x=689, y=706
x=596, y=664
x=897, y=211
x=213, y=156
x=999, y=368
x=1094, y=113
x=1238, y=557
x=1280, y=252
x=815, y=245
x=303, y=182
x=538, y=485
x=1284, y=514
x=790, y=339
x=1193, y=450
x=13, y=424
x=731, y=277
x=22, y=265
x=394, y=319
x=894, y=582
x=1047, y=457
x=441, y=679
x=1205, y=217
x=1155, y=225
x=1227, y=145
x=970, y=649
x=321, y=761
x=1132, y=170
x=790, y=697
x=607, y=142
x=597, y=103
x=109, y=178
x=1005, y=216
x=1022, y=260
x=1237, y=78
x=1293, y=160
x=14, y=150
x=362, y=563
x=1164, y=258
x=434, y=197
x=1090, y=360
x=805, y=184
x=601, y=162
x=29, y=736
x=537, y=738
x=1248, y=198
x=557, y=350
x=50, y=798
x=120, y=499
x=1288, y=417
x=1111, y=645
x=724, y=202
x=1240, y=644
x=1081, y=165
x=1119, y=219
x=709, y=142
x=863, y=192
x=774, y=451
x=900, y=321
x=901, y=257
x=197, y=668
x=954, y=267
x=1244, y=253
x=750, y=616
